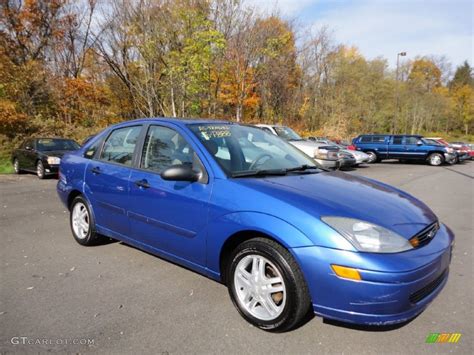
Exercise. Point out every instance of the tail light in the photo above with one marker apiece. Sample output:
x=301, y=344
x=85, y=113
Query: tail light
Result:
x=352, y=147
x=325, y=154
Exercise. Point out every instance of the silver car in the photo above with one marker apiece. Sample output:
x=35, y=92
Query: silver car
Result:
x=359, y=156
x=325, y=155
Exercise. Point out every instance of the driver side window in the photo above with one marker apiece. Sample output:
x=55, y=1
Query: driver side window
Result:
x=165, y=147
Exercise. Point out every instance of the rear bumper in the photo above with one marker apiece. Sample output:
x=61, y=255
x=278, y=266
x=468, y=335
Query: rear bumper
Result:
x=394, y=287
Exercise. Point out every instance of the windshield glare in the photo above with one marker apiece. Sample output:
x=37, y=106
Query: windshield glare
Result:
x=45, y=145
x=287, y=133
x=239, y=149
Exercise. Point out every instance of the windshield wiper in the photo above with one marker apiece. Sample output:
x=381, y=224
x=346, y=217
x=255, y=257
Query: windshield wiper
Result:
x=302, y=168
x=275, y=172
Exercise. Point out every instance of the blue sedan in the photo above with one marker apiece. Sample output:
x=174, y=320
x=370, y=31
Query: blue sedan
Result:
x=245, y=208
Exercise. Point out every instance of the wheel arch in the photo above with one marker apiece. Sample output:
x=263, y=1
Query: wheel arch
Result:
x=233, y=242
x=230, y=230
x=72, y=195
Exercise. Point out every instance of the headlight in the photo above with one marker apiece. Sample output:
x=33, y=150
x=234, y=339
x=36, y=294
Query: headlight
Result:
x=368, y=237
x=54, y=160
x=450, y=150
x=325, y=154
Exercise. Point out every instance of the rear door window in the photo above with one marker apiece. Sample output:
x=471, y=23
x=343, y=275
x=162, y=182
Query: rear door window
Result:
x=120, y=145
x=397, y=140
x=378, y=139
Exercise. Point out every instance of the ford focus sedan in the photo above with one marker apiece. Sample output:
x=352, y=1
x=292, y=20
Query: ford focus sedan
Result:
x=245, y=208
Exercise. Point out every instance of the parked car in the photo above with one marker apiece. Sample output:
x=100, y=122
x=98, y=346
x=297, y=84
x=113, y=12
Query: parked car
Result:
x=471, y=150
x=359, y=156
x=325, y=155
x=403, y=147
x=464, y=150
x=461, y=152
x=285, y=236
x=347, y=159
x=41, y=155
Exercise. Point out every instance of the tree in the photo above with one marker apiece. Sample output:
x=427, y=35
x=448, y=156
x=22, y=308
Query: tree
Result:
x=462, y=76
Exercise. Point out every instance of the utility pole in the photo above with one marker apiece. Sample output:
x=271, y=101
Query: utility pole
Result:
x=397, y=108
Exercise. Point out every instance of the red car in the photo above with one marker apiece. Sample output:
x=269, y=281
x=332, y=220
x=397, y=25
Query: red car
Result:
x=465, y=148
x=462, y=150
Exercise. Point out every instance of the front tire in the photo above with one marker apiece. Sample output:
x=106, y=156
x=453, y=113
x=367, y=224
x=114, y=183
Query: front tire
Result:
x=82, y=223
x=267, y=286
x=373, y=158
x=40, y=170
x=435, y=159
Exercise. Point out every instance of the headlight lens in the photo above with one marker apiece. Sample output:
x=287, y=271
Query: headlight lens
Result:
x=54, y=160
x=368, y=237
x=450, y=150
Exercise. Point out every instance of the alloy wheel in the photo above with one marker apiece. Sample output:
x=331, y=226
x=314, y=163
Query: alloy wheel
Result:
x=260, y=287
x=80, y=220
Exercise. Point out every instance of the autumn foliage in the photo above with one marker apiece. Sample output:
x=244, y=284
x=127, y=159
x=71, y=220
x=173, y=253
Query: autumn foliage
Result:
x=73, y=67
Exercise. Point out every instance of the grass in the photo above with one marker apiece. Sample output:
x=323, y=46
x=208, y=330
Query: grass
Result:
x=6, y=166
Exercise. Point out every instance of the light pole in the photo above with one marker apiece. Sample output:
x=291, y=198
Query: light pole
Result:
x=397, y=108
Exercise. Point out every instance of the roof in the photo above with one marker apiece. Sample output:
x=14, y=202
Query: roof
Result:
x=179, y=121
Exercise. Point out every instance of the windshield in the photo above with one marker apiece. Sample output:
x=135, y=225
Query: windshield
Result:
x=431, y=142
x=287, y=133
x=48, y=144
x=241, y=150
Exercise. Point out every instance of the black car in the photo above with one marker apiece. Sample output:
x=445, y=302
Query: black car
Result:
x=41, y=155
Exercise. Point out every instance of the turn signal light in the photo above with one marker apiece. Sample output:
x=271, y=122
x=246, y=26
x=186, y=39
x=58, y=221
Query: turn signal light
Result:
x=346, y=272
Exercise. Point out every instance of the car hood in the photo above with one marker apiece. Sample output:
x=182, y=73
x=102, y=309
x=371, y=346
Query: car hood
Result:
x=55, y=153
x=351, y=196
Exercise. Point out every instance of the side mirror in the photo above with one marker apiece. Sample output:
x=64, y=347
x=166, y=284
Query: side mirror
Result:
x=419, y=143
x=180, y=173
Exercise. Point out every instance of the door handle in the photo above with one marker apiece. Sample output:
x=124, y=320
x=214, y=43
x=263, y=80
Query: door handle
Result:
x=142, y=183
x=95, y=170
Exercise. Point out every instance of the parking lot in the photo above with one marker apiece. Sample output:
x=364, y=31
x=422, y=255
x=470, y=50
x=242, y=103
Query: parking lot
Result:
x=123, y=300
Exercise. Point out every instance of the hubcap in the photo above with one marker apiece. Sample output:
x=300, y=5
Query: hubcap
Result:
x=372, y=157
x=80, y=220
x=260, y=288
x=435, y=160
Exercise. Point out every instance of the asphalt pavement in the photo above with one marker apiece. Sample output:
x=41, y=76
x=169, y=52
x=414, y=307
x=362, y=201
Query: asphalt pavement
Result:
x=56, y=295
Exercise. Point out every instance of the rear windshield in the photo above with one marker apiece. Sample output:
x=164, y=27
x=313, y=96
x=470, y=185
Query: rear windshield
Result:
x=48, y=144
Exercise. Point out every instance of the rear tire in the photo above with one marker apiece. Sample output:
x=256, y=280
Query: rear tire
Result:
x=435, y=159
x=267, y=286
x=82, y=223
x=16, y=166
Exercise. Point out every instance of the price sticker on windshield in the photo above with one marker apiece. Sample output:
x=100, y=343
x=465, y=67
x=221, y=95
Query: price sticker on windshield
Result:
x=215, y=131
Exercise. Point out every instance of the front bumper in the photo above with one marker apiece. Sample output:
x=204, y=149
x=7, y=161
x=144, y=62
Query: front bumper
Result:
x=463, y=156
x=450, y=158
x=394, y=287
x=50, y=169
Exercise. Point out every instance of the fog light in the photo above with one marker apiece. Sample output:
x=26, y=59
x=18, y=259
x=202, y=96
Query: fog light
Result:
x=346, y=272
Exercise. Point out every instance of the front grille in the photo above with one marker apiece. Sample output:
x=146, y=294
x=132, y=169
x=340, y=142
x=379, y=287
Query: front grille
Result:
x=425, y=236
x=428, y=289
